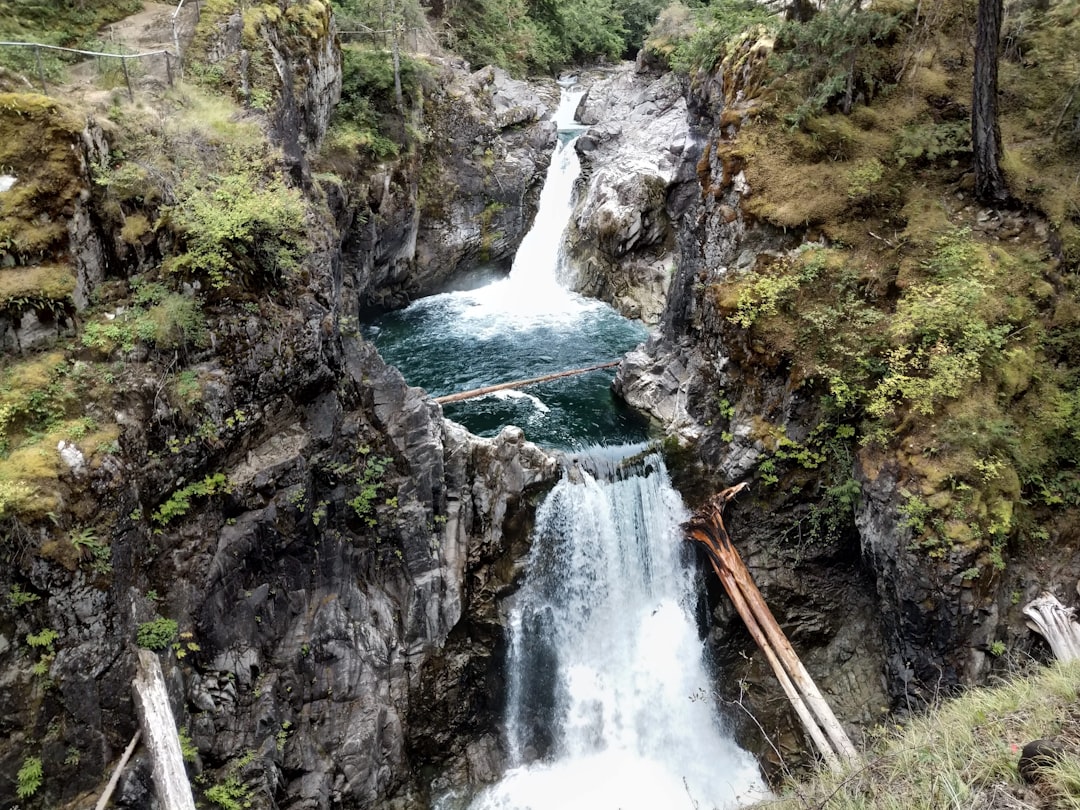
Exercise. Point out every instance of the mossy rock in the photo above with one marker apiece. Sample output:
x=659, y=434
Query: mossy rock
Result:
x=39, y=146
x=49, y=286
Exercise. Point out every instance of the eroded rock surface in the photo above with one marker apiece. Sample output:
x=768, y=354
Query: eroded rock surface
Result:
x=621, y=234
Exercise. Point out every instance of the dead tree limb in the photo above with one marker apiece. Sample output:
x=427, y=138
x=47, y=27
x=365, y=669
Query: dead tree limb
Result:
x=490, y=389
x=1057, y=624
x=103, y=802
x=707, y=528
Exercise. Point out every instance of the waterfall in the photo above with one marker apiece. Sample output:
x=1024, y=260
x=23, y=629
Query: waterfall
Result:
x=609, y=703
x=524, y=325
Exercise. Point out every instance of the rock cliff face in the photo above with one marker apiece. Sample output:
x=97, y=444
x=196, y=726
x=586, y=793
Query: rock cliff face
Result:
x=881, y=624
x=329, y=548
x=471, y=195
x=713, y=394
x=621, y=236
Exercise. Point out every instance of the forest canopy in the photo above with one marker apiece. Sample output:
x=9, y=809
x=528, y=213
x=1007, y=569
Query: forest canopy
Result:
x=523, y=36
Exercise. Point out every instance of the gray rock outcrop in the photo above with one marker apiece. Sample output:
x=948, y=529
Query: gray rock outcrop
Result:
x=621, y=237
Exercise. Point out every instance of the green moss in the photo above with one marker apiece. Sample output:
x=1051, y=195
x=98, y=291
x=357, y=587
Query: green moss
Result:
x=48, y=287
x=39, y=146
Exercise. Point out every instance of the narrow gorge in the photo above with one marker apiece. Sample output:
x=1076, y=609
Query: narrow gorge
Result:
x=228, y=301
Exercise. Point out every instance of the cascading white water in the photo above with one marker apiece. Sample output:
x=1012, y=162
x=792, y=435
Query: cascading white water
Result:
x=524, y=325
x=609, y=701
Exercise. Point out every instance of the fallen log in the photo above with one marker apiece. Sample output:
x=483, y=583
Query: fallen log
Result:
x=490, y=389
x=707, y=527
x=821, y=742
x=160, y=735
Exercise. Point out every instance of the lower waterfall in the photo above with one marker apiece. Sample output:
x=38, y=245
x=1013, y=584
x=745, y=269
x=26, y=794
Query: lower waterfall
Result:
x=609, y=703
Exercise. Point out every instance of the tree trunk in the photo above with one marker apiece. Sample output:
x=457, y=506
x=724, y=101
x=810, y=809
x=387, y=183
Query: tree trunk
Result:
x=396, y=23
x=990, y=183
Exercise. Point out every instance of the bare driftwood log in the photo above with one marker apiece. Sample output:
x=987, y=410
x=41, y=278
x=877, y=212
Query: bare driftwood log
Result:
x=707, y=528
x=1057, y=624
x=490, y=389
x=159, y=731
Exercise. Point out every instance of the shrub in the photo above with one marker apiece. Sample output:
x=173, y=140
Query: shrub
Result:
x=237, y=228
x=156, y=634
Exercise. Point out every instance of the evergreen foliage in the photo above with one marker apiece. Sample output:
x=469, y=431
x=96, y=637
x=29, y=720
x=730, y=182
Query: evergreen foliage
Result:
x=838, y=56
x=544, y=36
x=366, y=120
x=690, y=39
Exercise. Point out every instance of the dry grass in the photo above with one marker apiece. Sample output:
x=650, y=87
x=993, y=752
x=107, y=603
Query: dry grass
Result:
x=964, y=754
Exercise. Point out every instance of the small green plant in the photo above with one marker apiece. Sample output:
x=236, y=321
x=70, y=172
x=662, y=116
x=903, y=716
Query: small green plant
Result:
x=43, y=639
x=89, y=547
x=185, y=644
x=370, y=481
x=231, y=794
x=187, y=748
x=73, y=757
x=29, y=778
x=18, y=598
x=179, y=502
x=997, y=649
x=156, y=634
x=283, y=735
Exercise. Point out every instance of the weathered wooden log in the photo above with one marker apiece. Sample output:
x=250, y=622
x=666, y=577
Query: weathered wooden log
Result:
x=159, y=730
x=707, y=527
x=797, y=703
x=103, y=802
x=490, y=389
x=1057, y=624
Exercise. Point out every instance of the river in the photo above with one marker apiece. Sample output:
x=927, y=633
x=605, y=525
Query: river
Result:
x=609, y=703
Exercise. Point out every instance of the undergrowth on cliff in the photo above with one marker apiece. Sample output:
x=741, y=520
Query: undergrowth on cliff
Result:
x=939, y=332
x=366, y=123
x=964, y=753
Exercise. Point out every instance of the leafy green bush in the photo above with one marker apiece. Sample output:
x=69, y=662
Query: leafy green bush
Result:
x=237, y=228
x=156, y=634
x=943, y=331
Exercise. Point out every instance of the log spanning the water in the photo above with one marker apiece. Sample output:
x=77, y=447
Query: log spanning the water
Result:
x=707, y=528
x=490, y=389
x=1057, y=624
